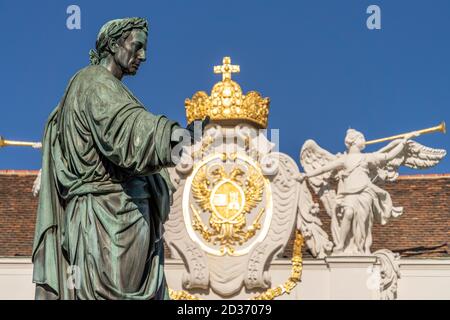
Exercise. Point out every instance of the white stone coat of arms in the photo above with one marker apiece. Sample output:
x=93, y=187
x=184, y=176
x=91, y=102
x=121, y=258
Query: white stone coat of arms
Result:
x=236, y=203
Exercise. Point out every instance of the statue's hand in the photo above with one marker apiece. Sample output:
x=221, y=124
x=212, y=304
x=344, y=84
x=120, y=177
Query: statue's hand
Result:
x=300, y=177
x=37, y=145
x=193, y=126
x=410, y=135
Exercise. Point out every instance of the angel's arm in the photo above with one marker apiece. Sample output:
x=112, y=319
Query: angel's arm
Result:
x=395, y=151
x=336, y=164
x=382, y=157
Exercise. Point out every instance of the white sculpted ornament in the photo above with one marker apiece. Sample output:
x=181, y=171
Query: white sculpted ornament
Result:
x=358, y=201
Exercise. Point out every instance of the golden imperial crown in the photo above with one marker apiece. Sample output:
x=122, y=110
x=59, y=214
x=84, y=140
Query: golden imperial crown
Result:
x=227, y=102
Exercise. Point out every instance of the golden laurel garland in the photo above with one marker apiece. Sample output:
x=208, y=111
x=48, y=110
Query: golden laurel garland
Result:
x=271, y=293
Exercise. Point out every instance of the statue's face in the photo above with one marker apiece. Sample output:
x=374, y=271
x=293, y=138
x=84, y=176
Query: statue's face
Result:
x=355, y=139
x=360, y=142
x=131, y=52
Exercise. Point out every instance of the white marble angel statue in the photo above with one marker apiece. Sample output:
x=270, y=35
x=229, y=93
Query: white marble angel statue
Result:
x=358, y=201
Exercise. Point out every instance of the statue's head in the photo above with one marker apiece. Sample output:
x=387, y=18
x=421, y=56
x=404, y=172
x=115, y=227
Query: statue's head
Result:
x=355, y=138
x=124, y=42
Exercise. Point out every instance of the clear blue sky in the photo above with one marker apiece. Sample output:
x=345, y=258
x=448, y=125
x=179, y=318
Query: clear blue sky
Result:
x=322, y=68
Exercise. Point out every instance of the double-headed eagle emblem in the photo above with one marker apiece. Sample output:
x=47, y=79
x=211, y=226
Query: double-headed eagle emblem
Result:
x=228, y=197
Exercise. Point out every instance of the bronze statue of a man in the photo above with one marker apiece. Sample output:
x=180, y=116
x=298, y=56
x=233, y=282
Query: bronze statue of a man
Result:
x=104, y=188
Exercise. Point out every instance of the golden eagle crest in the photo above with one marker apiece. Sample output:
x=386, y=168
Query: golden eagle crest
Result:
x=228, y=197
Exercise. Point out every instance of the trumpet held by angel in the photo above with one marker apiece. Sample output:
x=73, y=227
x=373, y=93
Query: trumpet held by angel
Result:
x=347, y=183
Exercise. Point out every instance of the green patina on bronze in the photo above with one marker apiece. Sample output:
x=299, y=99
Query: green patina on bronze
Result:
x=105, y=192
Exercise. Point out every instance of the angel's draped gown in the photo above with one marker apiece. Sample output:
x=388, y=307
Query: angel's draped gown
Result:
x=368, y=201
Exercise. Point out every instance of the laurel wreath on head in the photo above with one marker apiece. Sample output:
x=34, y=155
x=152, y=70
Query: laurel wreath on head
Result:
x=114, y=29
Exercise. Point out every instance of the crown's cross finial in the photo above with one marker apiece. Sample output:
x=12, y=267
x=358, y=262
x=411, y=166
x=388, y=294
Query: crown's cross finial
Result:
x=226, y=69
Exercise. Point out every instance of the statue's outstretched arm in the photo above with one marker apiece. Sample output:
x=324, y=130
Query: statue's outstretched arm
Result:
x=398, y=149
x=330, y=166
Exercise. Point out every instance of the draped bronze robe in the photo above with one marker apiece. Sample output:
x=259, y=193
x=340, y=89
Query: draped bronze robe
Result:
x=104, y=196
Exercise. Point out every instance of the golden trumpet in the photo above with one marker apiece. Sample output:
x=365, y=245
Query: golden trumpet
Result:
x=439, y=128
x=7, y=143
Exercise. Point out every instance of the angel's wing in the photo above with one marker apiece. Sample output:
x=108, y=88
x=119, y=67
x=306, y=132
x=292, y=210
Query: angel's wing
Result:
x=37, y=184
x=312, y=156
x=414, y=155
